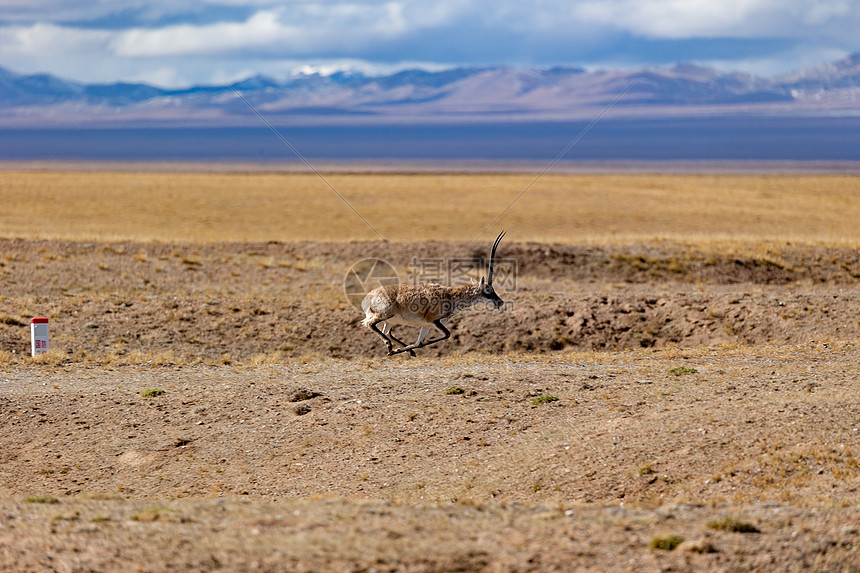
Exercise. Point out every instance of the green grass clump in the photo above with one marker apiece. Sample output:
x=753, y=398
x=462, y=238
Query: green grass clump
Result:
x=453, y=390
x=681, y=370
x=734, y=525
x=668, y=543
x=544, y=399
x=42, y=499
x=152, y=392
x=645, y=470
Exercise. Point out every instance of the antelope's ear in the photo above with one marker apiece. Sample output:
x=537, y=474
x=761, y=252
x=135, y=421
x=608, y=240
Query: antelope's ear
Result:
x=482, y=281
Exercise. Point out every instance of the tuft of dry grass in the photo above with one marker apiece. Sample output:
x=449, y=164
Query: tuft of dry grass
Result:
x=161, y=514
x=267, y=358
x=712, y=211
x=54, y=357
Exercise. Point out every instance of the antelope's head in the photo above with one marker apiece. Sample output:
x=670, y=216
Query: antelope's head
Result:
x=487, y=290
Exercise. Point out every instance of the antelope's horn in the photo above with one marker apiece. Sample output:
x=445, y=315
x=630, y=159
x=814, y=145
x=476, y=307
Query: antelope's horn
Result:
x=492, y=258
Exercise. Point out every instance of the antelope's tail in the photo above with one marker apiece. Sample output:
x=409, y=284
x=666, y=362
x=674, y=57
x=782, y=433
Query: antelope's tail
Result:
x=368, y=315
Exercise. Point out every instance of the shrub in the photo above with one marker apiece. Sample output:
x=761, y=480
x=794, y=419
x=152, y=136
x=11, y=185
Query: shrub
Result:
x=42, y=499
x=668, y=543
x=152, y=392
x=734, y=525
x=681, y=370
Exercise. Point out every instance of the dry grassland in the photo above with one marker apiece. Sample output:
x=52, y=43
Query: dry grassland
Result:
x=596, y=209
x=674, y=387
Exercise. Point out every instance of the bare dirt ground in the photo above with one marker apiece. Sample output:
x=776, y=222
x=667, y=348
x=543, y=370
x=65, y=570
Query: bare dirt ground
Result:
x=706, y=415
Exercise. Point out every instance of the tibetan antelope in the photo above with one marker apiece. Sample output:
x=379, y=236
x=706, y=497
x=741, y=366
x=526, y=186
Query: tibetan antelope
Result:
x=424, y=306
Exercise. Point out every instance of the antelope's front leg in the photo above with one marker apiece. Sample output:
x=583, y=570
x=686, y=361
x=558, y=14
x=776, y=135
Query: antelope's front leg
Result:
x=421, y=336
x=387, y=340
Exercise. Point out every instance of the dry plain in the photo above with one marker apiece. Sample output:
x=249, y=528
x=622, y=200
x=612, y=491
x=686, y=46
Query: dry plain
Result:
x=211, y=402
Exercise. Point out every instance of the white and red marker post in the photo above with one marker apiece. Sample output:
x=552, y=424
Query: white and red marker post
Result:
x=39, y=335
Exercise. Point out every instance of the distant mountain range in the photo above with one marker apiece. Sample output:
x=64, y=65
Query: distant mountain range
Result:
x=478, y=94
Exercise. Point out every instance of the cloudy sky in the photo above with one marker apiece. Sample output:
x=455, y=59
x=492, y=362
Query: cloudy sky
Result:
x=171, y=43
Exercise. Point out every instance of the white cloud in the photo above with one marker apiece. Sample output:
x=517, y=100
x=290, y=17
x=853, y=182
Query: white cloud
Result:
x=82, y=10
x=48, y=39
x=676, y=19
x=261, y=29
x=668, y=18
x=174, y=43
x=163, y=76
x=300, y=30
x=821, y=13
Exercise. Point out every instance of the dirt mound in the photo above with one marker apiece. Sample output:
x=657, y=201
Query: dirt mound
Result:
x=683, y=319
x=235, y=301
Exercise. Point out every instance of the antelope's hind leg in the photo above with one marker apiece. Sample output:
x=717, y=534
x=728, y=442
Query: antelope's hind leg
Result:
x=438, y=324
x=390, y=332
